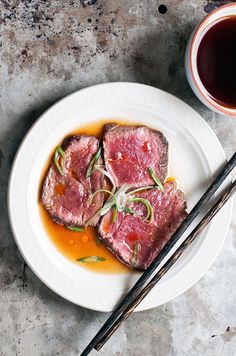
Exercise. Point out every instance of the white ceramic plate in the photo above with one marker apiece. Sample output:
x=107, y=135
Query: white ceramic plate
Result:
x=196, y=154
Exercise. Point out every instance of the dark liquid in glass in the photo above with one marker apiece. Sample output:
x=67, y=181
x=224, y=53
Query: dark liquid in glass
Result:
x=216, y=61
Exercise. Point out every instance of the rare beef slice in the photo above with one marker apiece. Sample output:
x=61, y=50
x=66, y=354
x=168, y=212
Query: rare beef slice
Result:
x=65, y=194
x=135, y=240
x=130, y=150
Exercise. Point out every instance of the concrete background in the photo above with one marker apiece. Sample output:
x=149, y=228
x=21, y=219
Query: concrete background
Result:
x=47, y=50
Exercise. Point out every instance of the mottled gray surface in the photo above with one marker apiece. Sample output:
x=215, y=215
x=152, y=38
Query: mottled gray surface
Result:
x=49, y=49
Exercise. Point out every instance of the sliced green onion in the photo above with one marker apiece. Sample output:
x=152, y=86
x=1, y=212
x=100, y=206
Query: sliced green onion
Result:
x=98, y=241
x=100, y=212
x=91, y=259
x=91, y=219
x=75, y=228
x=147, y=205
x=108, y=175
x=155, y=178
x=92, y=163
x=100, y=191
x=118, y=200
x=106, y=207
x=124, y=189
x=136, y=250
x=121, y=197
x=140, y=189
x=114, y=215
x=112, y=201
x=59, y=153
x=121, y=201
x=129, y=211
x=109, y=203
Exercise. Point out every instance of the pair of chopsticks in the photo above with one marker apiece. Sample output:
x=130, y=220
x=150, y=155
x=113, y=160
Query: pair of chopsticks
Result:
x=139, y=290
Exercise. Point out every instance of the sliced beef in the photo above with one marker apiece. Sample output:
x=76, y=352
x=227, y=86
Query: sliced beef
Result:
x=66, y=196
x=136, y=241
x=130, y=150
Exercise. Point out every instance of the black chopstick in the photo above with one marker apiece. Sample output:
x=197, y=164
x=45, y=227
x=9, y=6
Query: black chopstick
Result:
x=132, y=294
x=169, y=263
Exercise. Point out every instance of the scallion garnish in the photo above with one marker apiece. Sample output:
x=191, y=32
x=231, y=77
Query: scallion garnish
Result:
x=117, y=200
x=113, y=200
x=155, y=178
x=147, y=204
x=136, y=250
x=108, y=175
x=129, y=211
x=91, y=259
x=100, y=191
x=114, y=215
x=75, y=228
x=98, y=241
x=92, y=163
x=59, y=155
x=100, y=212
x=140, y=189
x=106, y=207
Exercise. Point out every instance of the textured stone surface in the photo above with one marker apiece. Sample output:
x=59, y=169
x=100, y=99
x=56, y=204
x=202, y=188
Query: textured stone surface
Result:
x=47, y=50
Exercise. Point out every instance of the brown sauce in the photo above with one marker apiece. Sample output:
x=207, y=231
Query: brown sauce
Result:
x=75, y=245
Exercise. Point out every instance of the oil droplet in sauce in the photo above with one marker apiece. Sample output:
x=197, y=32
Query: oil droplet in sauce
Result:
x=75, y=245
